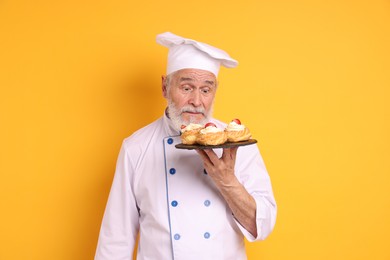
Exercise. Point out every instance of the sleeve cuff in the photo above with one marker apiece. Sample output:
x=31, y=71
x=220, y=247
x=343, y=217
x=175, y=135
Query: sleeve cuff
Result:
x=265, y=220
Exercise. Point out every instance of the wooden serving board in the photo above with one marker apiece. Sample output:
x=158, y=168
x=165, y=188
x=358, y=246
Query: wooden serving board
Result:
x=225, y=145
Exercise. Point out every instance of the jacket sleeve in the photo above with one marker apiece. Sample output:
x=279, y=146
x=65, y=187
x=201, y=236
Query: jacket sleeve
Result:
x=252, y=173
x=119, y=227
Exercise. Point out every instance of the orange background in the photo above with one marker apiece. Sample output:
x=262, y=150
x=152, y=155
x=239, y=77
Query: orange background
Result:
x=77, y=77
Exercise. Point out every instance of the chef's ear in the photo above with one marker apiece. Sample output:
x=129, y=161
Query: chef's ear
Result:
x=164, y=86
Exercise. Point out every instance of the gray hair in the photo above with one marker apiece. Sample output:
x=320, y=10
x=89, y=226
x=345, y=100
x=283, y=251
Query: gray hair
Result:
x=168, y=80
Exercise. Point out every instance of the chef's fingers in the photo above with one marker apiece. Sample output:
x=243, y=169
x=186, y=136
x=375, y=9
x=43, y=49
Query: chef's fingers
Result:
x=212, y=156
x=205, y=158
x=230, y=153
x=226, y=155
x=234, y=153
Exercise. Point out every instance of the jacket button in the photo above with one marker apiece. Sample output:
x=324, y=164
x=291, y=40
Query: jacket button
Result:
x=207, y=203
x=174, y=203
x=172, y=171
x=176, y=236
x=206, y=235
x=170, y=141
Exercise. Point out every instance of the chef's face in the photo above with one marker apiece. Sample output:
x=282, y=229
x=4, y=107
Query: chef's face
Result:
x=190, y=94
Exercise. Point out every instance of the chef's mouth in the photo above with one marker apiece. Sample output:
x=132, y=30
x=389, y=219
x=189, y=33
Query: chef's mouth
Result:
x=193, y=113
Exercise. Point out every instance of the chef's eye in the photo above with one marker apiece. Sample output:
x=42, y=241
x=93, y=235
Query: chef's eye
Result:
x=205, y=90
x=186, y=89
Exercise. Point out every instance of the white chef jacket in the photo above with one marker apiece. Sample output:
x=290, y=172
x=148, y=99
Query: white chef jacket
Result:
x=164, y=194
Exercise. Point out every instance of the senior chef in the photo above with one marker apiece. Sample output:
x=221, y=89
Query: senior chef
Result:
x=186, y=204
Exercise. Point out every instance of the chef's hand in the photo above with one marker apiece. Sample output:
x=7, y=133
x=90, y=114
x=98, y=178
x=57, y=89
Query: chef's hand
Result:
x=221, y=170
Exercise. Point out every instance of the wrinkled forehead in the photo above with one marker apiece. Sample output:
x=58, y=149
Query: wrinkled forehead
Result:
x=195, y=75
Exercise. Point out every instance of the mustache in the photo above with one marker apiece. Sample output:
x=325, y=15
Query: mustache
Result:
x=193, y=110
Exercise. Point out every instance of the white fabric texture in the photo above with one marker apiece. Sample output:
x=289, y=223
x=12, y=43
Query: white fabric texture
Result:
x=190, y=54
x=164, y=194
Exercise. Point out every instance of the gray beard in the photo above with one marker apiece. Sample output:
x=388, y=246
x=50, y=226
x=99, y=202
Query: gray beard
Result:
x=175, y=115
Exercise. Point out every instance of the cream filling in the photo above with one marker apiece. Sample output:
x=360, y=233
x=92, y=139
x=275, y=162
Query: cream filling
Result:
x=233, y=126
x=210, y=129
x=191, y=127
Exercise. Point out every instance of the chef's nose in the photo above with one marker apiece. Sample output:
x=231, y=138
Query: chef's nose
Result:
x=195, y=99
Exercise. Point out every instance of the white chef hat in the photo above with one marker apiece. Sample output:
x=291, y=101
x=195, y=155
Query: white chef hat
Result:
x=190, y=54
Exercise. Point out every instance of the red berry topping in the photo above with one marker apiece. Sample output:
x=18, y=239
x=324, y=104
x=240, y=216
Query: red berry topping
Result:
x=237, y=121
x=210, y=124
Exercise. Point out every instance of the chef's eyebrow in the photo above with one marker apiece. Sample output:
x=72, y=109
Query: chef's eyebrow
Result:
x=185, y=79
x=210, y=82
